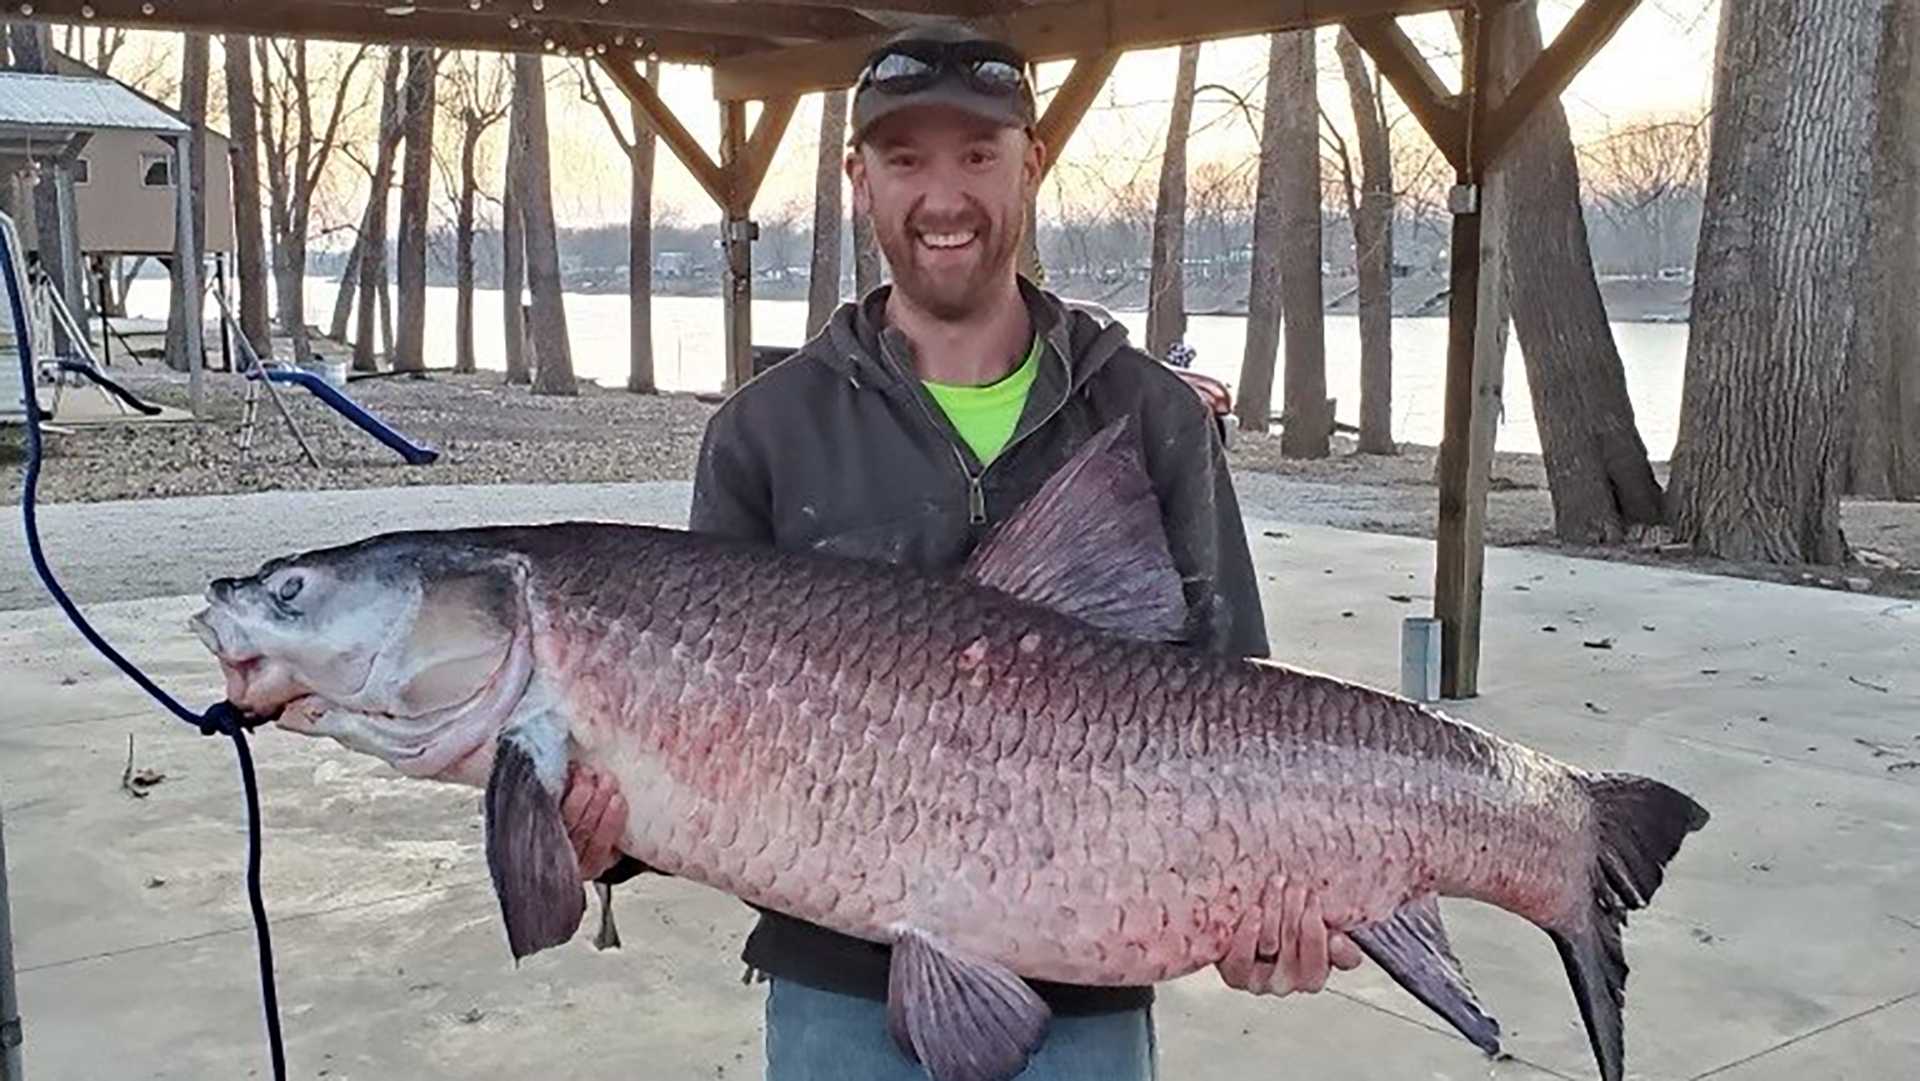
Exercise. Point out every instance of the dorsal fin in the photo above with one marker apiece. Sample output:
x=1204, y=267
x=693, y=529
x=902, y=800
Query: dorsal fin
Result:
x=1091, y=544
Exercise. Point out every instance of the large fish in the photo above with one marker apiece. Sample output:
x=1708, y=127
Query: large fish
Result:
x=1010, y=773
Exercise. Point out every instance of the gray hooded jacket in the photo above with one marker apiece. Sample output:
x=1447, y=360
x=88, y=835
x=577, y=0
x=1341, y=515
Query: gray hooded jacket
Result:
x=841, y=449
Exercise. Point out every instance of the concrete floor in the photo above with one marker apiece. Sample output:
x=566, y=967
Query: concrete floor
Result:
x=1785, y=945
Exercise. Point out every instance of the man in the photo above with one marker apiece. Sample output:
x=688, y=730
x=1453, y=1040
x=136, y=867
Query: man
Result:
x=918, y=418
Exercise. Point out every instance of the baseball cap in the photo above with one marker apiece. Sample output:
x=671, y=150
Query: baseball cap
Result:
x=954, y=65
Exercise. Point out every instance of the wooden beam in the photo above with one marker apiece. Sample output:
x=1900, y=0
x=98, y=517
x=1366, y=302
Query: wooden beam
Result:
x=620, y=66
x=1058, y=31
x=1425, y=96
x=1465, y=462
x=1580, y=40
x=736, y=233
x=946, y=8
x=1070, y=103
x=368, y=23
x=758, y=157
x=767, y=19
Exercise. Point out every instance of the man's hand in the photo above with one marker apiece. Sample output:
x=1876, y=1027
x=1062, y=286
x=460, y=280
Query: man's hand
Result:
x=595, y=814
x=1292, y=949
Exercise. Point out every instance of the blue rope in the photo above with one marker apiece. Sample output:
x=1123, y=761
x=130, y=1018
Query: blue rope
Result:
x=223, y=718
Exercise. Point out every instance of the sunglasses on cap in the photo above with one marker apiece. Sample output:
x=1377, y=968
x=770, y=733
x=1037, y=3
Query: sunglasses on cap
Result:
x=911, y=66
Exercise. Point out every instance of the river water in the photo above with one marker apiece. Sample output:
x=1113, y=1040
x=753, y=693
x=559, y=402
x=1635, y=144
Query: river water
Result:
x=688, y=342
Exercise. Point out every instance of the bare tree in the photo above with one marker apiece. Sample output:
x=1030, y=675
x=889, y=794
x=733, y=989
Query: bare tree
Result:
x=97, y=47
x=370, y=273
x=416, y=186
x=1308, y=427
x=637, y=141
x=513, y=247
x=1886, y=439
x=1254, y=400
x=553, y=358
x=1372, y=216
x=1166, y=296
x=480, y=93
x=184, y=319
x=1646, y=180
x=1602, y=483
x=1764, y=430
x=823, y=279
x=297, y=155
x=249, y=241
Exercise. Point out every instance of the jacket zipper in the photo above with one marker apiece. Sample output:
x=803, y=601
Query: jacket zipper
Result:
x=976, y=490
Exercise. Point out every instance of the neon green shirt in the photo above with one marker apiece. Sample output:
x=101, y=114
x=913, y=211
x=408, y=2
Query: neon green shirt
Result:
x=986, y=416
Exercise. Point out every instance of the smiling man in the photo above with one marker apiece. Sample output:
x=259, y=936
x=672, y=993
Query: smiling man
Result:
x=922, y=415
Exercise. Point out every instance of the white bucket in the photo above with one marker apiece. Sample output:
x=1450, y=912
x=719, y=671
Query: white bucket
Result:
x=334, y=372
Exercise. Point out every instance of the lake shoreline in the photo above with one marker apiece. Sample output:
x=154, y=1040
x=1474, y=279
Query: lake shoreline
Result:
x=488, y=433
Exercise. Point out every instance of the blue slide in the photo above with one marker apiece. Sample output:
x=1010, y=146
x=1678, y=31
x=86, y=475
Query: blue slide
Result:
x=353, y=411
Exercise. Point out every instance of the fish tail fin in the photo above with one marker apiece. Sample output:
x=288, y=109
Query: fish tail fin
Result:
x=1640, y=824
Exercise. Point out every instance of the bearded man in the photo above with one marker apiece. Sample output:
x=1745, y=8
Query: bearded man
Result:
x=920, y=416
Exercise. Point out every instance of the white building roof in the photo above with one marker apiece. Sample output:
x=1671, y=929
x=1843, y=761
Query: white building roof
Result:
x=70, y=103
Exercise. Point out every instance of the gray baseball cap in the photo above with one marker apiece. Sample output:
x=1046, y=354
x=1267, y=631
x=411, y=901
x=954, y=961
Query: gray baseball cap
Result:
x=949, y=64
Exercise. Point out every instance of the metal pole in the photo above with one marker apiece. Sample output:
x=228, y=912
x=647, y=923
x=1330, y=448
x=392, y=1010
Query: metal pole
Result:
x=10, y=1068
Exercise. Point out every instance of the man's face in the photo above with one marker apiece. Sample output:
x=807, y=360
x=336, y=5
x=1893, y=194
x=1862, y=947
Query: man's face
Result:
x=947, y=193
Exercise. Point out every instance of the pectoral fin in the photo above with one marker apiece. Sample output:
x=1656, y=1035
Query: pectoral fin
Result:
x=964, y=1020
x=535, y=873
x=1412, y=946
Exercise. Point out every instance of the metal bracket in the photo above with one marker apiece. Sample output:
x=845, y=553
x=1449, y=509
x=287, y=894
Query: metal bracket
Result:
x=741, y=230
x=1464, y=199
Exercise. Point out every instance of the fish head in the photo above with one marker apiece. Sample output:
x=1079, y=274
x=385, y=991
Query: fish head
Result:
x=409, y=649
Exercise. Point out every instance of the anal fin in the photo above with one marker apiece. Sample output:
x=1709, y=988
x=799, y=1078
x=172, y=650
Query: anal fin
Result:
x=963, y=1019
x=608, y=937
x=535, y=873
x=1412, y=947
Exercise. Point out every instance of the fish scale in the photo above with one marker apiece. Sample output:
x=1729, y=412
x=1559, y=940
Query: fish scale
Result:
x=950, y=782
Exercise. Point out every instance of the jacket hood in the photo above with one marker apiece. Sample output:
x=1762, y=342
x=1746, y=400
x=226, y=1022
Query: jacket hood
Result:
x=855, y=340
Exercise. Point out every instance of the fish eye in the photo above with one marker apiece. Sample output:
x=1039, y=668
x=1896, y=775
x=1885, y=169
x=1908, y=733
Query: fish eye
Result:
x=289, y=588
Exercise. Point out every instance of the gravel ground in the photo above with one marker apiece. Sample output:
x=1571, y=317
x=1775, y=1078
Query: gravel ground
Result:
x=509, y=456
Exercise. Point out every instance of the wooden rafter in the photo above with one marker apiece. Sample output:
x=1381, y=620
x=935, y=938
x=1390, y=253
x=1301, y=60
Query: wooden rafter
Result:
x=1070, y=103
x=768, y=130
x=1058, y=31
x=1427, y=98
x=621, y=66
x=492, y=29
x=1584, y=35
x=768, y=18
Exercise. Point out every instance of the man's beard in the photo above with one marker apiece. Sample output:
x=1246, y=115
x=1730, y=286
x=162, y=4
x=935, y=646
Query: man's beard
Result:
x=949, y=295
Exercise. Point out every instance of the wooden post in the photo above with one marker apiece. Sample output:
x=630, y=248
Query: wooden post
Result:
x=736, y=233
x=1465, y=461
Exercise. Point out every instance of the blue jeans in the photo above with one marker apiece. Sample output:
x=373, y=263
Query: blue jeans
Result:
x=815, y=1035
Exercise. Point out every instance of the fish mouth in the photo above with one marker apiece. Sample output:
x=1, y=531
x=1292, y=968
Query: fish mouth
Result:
x=258, y=692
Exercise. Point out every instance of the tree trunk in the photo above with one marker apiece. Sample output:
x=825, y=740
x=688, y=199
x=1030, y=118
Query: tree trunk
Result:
x=1886, y=439
x=1307, y=426
x=32, y=47
x=640, y=377
x=249, y=251
x=1372, y=251
x=185, y=307
x=416, y=185
x=1597, y=468
x=372, y=277
x=867, y=270
x=348, y=290
x=513, y=253
x=463, y=354
x=823, y=279
x=1254, y=395
x=1166, y=286
x=553, y=368
x=1763, y=417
